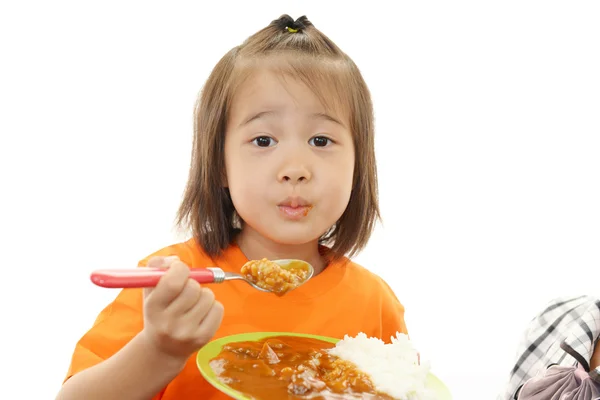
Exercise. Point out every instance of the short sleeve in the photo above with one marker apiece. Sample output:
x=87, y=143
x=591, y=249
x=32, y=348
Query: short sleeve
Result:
x=114, y=327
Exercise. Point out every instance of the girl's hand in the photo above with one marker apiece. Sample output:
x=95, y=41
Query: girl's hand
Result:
x=180, y=316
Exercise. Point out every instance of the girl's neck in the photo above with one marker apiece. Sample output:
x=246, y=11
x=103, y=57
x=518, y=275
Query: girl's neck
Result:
x=255, y=247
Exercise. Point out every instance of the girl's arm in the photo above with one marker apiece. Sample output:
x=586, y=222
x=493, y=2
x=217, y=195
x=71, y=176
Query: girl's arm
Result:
x=136, y=372
x=179, y=318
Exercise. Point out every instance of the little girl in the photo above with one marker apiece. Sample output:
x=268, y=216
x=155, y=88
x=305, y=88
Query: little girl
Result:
x=283, y=166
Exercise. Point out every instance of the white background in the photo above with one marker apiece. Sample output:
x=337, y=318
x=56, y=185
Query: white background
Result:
x=488, y=143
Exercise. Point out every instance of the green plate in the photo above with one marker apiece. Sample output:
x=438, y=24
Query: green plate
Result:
x=213, y=349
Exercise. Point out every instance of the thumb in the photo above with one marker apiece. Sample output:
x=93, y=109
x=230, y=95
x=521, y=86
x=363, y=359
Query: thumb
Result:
x=158, y=262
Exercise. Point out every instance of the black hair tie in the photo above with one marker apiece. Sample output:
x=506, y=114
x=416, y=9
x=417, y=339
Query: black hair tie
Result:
x=286, y=22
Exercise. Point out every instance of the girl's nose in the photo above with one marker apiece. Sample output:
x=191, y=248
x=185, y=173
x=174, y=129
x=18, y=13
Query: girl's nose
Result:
x=294, y=173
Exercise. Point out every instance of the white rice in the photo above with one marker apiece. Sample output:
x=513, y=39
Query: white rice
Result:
x=393, y=368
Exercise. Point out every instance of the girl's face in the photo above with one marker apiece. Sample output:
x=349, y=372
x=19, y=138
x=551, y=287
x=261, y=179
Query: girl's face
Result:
x=289, y=161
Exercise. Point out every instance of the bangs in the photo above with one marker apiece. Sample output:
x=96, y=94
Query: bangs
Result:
x=333, y=81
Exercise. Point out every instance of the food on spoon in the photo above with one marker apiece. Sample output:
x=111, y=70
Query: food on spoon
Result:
x=271, y=276
x=293, y=367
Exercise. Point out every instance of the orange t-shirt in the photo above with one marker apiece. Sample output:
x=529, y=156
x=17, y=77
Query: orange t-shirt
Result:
x=343, y=299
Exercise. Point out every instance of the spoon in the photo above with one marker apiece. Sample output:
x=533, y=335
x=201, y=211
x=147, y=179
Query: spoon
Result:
x=149, y=277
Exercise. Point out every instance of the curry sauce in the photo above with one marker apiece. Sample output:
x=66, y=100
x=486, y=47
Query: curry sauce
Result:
x=289, y=367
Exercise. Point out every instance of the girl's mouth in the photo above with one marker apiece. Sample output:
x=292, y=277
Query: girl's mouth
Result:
x=295, y=213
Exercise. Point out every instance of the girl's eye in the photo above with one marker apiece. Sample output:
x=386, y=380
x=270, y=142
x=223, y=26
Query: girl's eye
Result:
x=320, y=141
x=264, y=141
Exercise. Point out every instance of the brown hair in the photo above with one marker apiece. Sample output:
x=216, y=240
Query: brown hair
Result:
x=310, y=56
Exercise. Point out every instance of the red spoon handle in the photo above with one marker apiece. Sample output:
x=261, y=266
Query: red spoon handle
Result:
x=142, y=277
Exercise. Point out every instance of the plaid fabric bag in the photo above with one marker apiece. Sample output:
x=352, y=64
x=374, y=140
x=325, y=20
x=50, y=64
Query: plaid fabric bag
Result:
x=562, y=383
x=553, y=357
